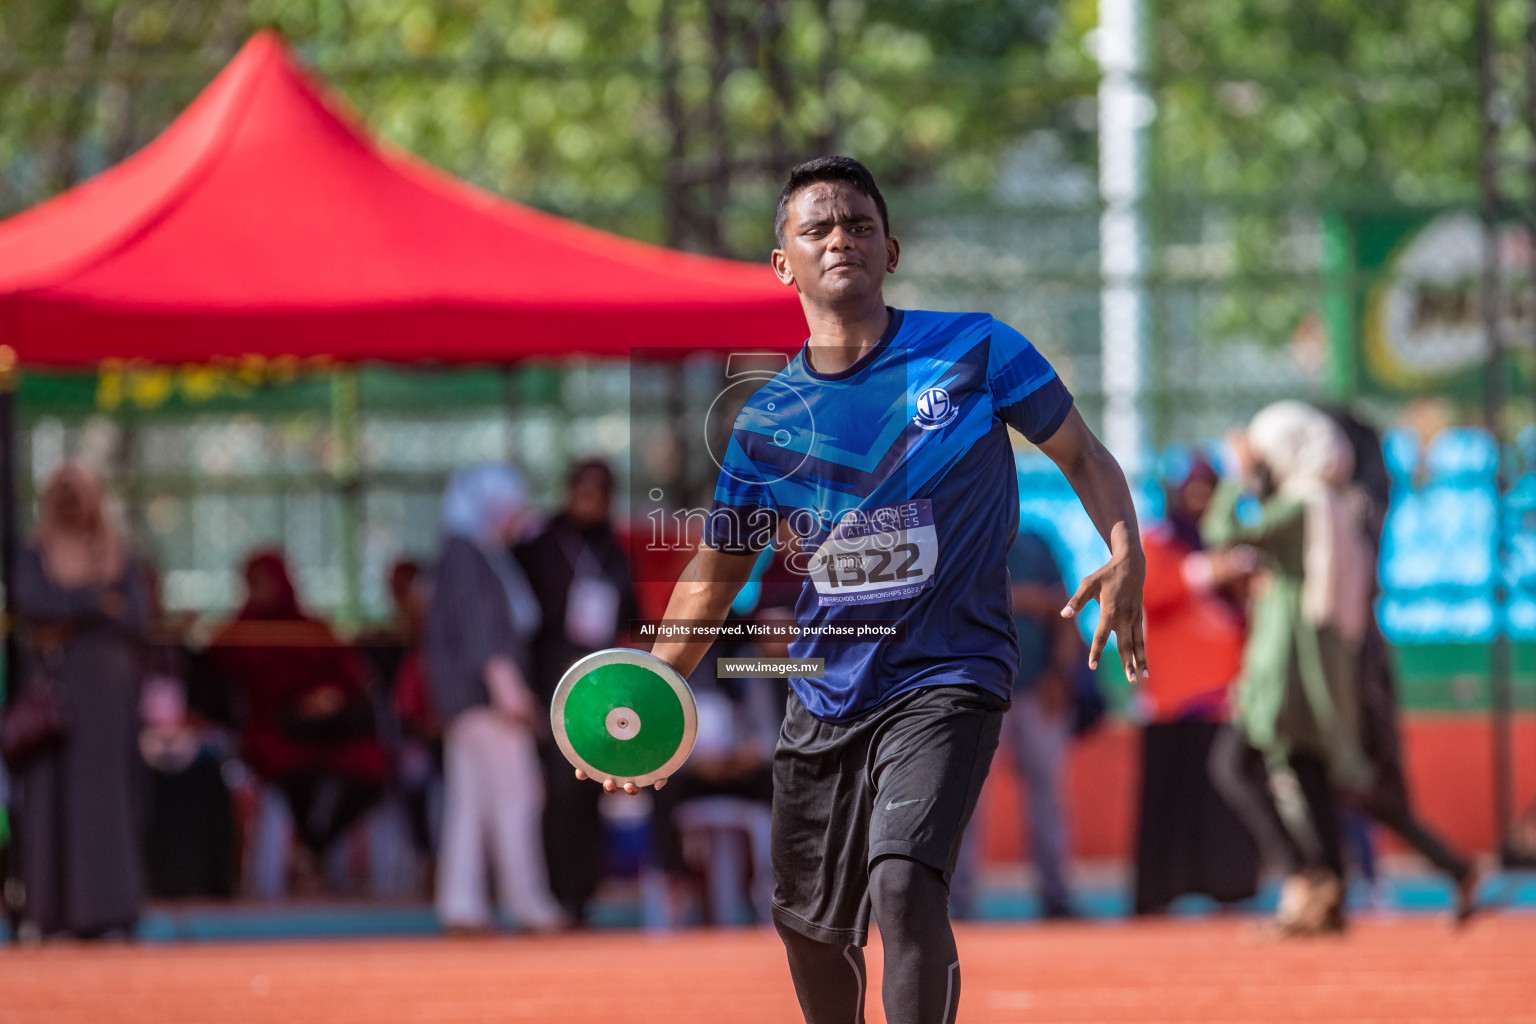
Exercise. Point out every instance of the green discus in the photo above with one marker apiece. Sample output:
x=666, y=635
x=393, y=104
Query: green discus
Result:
x=624, y=715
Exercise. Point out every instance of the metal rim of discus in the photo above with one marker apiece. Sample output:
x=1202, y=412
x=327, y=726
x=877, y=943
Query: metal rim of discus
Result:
x=619, y=726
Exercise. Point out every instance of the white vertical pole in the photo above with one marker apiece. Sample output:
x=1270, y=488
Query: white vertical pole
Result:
x=1125, y=111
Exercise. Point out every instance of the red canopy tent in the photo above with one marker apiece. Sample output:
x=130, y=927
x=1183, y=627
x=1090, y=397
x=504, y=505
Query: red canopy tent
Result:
x=264, y=221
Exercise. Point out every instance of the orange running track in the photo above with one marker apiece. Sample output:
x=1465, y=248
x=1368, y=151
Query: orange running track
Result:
x=1405, y=970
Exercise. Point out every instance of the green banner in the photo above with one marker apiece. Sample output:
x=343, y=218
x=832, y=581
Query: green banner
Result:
x=1404, y=303
x=278, y=386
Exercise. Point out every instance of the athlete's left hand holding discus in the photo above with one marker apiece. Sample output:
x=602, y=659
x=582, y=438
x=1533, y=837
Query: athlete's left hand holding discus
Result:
x=609, y=786
x=703, y=594
x=624, y=718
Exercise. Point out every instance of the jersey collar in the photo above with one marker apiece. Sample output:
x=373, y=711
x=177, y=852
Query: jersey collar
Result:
x=859, y=364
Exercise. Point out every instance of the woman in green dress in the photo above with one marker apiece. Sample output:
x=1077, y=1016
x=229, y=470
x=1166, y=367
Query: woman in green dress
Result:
x=1297, y=699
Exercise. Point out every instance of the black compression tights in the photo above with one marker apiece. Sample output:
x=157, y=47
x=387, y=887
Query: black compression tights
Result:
x=922, y=970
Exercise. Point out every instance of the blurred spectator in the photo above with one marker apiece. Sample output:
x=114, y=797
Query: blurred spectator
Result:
x=419, y=765
x=1387, y=799
x=1360, y=854
x=388, y=645
x=191, y=846
x=582, y=579
x=1519, y=849
x=483, y=613
x=81, y=607
x=305, y=718
x=1188, y=840
x=406, y=831
x=1297, y=698
x=1038, y=729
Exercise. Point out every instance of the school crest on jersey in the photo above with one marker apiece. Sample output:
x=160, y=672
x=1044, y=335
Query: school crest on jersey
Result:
x=935, y=409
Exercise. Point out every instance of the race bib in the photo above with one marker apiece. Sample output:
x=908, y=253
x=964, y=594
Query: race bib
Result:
x=882, y=554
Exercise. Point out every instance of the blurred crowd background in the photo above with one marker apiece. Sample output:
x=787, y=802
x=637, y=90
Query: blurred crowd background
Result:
x=1317, y=190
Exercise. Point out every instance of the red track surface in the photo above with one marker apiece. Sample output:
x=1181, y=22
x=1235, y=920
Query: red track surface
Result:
x=1410, y=970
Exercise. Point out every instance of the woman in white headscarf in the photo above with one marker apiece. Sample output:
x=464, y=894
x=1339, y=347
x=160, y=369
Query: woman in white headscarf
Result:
x=1297, y=700
x=481, y=617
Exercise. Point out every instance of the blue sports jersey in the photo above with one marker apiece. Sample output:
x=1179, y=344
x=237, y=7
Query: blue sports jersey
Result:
x=898, y=475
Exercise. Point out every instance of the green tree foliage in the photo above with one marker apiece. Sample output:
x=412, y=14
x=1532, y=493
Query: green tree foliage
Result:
x=671, y=120
x=674, y=120
x=1269, y=111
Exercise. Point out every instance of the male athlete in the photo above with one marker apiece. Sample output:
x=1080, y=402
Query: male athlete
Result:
x=884, y=447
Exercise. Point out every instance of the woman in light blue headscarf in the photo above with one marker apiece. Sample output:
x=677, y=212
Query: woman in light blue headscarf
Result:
x=483, y=612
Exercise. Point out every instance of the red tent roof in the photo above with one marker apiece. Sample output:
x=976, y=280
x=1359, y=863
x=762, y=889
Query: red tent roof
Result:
x=263, y=221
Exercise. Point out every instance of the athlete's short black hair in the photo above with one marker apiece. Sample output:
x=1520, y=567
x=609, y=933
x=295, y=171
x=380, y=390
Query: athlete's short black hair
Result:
x=829, y=168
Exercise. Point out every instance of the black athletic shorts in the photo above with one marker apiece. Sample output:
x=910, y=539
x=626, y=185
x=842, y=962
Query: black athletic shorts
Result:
x=901, y=780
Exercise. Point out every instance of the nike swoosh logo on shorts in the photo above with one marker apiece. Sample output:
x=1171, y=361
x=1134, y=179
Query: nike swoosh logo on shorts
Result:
x=891, y=805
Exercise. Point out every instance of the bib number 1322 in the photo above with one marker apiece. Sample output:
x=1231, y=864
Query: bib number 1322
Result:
x=884, y=554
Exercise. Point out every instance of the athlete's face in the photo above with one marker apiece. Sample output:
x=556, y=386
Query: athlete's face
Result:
x=835, y=248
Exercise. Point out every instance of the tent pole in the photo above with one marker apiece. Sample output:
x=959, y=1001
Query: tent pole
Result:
x=345, y=388
x=12, y=893
x=8, y=509
x=1494, y=207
